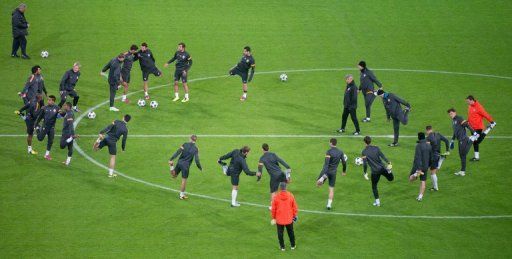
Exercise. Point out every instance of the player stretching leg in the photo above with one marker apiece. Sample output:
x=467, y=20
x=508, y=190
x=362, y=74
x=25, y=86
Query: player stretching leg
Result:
x=109, y=137
x=393, y=105
x=271, y=162
x=235, y=168
x=476, y=115
x=373, y=156
x=129, y=57
x=49, y=113
x=460, y=134
x=67, y=86
x=33, y=109
x=114, y=78
x=187, y=152
x=242, y=69
x=68, y=132
x=183, y=64
x=366, y=87
x=421, y=163
x=333, y=157
x=147, y=65
x=434, y=139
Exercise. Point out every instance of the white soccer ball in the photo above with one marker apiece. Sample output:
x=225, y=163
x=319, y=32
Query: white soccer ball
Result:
x=141, y=103
x=91, y=115
x=153, y=104
x=44, y=54
x=283, y=77
x=359, y=161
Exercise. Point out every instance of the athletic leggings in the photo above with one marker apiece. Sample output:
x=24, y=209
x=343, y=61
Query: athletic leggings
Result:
x=50, y=131
x=404, y=119
x=376, y=178
x=368, y=101
x=464, y=147
x=353, y=116
x=476, y=144
x=291, y=234
x=64, y=144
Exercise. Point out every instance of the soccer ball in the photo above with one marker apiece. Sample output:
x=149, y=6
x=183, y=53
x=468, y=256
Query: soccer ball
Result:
x=283, y=77
x=345, y=157
x=153, y=104
x=141, y=103
x=91, y=115
x=44, y=54
x=359, y=161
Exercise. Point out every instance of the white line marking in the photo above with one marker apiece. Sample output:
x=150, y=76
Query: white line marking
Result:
x=80, y=151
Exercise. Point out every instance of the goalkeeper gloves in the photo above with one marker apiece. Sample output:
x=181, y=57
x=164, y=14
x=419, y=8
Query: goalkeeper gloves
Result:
x=452, y=144
x=389, y=166
x=295, y=218
x=474, y=137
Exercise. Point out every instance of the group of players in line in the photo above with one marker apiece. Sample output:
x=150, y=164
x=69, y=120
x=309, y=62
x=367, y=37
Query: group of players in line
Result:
x=428, y=154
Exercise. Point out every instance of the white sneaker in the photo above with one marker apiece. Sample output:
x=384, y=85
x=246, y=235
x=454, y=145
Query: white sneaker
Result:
x=460, y=173
x=235, y=204
x=113, y=109
x=185, y=100
x=376, y=204
x=112, y=175
x=366, y=177
x=419, y=199
x=176, y=99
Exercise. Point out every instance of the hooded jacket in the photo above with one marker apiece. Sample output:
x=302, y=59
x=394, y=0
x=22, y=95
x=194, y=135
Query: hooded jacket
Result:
x=284, y=208
x=476, y=113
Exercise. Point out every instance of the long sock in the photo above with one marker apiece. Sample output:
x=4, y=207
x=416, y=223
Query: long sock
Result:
x=146, y=93
x=177, y=95
x=68, y=160
x=487, y=130
x=182, y=194
x=110, y=171
x=441, y=160
x=477, y=155
x=186, y=96
x=124, y=97
x=434, y=180
x=29, y=148
x=234, y=193
x=47, y=153
x=377, y=201
x=329, y=203
x=244, y=95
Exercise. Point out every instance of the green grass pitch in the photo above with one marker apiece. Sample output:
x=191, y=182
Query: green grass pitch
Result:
x=47, y=210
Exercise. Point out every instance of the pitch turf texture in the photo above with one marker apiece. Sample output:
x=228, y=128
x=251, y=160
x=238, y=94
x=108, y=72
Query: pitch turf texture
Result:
x=47, y=210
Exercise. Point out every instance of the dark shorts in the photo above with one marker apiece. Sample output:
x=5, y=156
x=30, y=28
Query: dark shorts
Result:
x=30, y=125
x=275, y=181
x=178, y=74
x=147, y=72
x=422, y=177
x=125, y=76
x=435, y=161
x=235, y=179
x=243, y=75
x=331, y=177
x=112, y=147
x=183, y=169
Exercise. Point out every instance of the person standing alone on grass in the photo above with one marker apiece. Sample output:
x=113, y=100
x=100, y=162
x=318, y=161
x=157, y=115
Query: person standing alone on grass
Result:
x=350, y=105
x=183, y=64
x=366, y=87
x=19, y=31
x=284, y=214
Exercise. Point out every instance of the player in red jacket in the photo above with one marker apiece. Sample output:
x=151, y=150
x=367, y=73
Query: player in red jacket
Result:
x=284, y=213
x=476, y=115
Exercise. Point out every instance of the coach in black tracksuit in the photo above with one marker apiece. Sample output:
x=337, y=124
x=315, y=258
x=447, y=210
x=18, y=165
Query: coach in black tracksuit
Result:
x=393, y=105
x=350, y=105
x=19, y=31
x=366, y=87
x=114, y=76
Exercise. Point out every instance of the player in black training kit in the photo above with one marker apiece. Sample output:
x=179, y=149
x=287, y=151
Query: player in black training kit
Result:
x=109, y=137
x=422, y=162
x=34, y=86
x=33, y=108
x=114, y=78
x=366, y=87
x=183, y=64
x=333, y=157
x=68, y=131
x=242, y=69
x=393, y=105
x=372, y=156
x=235, y=168
x=187, y=152
x=49, y=113
x=126, y=69
x=67, y=86
x=147, y=65
x=434, y=139
x=460, y=134
x=271, y=162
